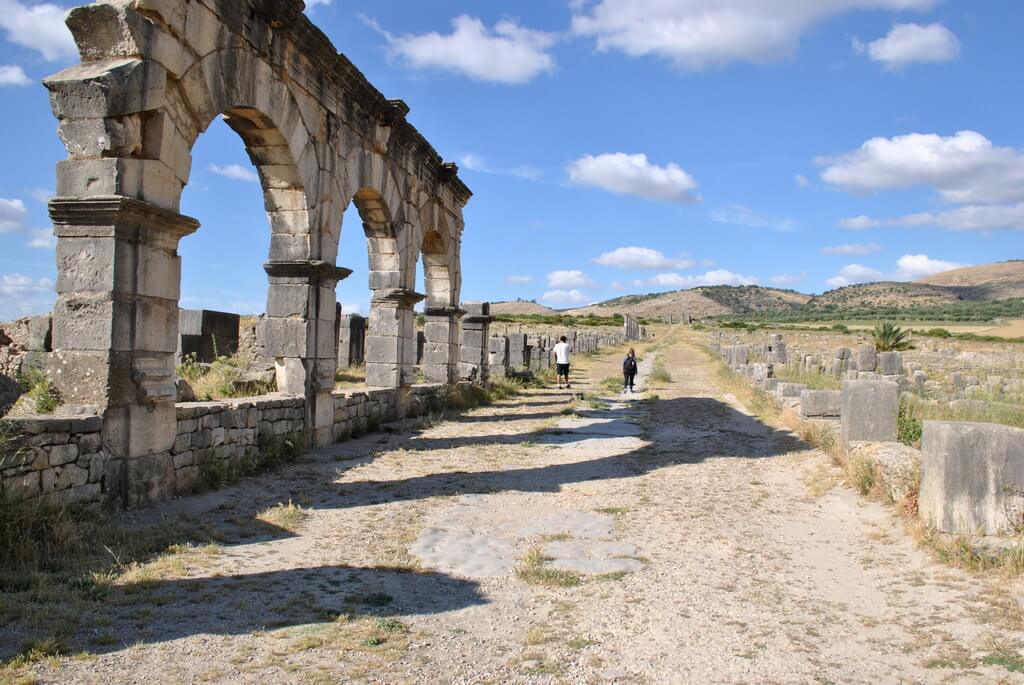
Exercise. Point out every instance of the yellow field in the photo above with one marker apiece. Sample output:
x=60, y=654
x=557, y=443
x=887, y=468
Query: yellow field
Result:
x=1012, y=328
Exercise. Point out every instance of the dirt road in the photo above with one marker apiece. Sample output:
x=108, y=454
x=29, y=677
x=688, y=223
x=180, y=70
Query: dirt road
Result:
x=671, y=540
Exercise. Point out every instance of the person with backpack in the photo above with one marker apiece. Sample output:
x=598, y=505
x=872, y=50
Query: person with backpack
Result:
x=628, y=370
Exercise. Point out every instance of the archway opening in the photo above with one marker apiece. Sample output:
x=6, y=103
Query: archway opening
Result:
x=243, y=182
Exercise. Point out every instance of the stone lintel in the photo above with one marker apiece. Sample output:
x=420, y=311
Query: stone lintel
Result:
x=118, y=217
x=397, y=297
x=448, y=313
x=477, y=320
x=312, y=269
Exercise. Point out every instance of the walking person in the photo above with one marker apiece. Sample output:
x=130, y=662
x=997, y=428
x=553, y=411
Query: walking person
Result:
x=628, y=371
x=562, y=362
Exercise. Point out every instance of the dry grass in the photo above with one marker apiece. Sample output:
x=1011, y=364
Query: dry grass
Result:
x=534, y=570
x=288, y=516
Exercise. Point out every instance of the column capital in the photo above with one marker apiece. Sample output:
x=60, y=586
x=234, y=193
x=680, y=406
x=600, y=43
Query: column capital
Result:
x=310, y=269
x=451, y=313
x=118, y=217
x=397, y=297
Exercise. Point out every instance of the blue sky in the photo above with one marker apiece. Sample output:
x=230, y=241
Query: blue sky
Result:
x=619, y=146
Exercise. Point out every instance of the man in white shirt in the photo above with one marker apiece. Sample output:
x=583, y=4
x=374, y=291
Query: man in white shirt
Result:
x=562, y=362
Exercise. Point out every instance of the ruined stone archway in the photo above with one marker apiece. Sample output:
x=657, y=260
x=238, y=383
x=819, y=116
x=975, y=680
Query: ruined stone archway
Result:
x=152, y=78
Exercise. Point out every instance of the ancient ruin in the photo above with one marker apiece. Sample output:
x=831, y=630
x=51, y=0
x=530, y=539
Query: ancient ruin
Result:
x=153, y=77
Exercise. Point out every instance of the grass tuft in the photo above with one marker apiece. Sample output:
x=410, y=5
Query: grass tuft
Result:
x=534, y=570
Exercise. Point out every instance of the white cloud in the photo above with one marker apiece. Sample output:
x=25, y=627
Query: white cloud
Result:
x=911, y=267
x=313, y=3
x=43, y=239
x=787, y=279
x=739, y=215
x=963, y=168
x=12, y=215
x=512, y=280
x=236, y=172
x=565, y=297
x=477, y=163
x=909, y=43
x=641, y=258
x=970, y=218
x=38, y=27
x=570, y=278
x=508, y=53
x=17, y=285
x=802, y=181
x=13, y=75
x=854, y=273
x=853, y=249
x=716, y=277
x=697, y=34
x=633, y=174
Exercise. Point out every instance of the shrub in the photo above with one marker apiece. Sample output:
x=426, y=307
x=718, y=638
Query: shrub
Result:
x=938, y=333
x=908, y=423
x=42, y=397
x=659, y=374
x=889, y=337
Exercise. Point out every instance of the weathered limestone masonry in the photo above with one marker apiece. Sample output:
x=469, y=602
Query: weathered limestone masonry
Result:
x=351, y=340
x=476, y=348
x=972, y=477
x=515, y=352
x=206, y=334
x=154, y=75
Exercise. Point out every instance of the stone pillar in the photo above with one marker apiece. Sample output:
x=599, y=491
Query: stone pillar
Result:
x=441, y=353
x=517, y=351
x=351, y=340
x=475, y=348
x=498, y=360
x=299, y=336
x=391, y=338
x=115, y=331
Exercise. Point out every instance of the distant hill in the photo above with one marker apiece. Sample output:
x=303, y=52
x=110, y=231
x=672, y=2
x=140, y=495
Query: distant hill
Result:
x=885, y=294
x=700, y=303
x=977, y=284
x=520, y=307
x=1000, y=281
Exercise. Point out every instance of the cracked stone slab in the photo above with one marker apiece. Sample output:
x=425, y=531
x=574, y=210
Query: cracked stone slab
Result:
x=578, y=524
x=465, y=553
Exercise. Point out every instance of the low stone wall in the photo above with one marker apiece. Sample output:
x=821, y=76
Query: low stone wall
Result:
x=63, y=459
x=215, y=436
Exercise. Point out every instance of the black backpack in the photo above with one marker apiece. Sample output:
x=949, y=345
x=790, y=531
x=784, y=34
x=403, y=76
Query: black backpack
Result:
x=629, y=364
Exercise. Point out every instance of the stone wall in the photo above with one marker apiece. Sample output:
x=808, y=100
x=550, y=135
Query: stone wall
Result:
x=61, y=459
x=64, y=458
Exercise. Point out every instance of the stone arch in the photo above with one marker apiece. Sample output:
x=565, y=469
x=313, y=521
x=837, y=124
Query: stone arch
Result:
x=153, y=76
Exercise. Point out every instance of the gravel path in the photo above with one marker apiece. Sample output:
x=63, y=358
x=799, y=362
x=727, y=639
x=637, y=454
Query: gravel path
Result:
x=668, y=540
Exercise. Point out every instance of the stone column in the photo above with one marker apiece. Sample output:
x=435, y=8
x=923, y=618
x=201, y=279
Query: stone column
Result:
x=441, y=353
x=474, y=356
x=299, y=336
x=115, y=331
x=391, y=339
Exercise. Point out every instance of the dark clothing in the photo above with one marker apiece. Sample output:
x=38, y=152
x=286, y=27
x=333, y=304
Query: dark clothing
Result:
x=562, y=369
x=628, y=371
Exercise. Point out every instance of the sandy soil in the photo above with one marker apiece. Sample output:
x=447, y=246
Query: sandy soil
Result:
x=724, y=568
